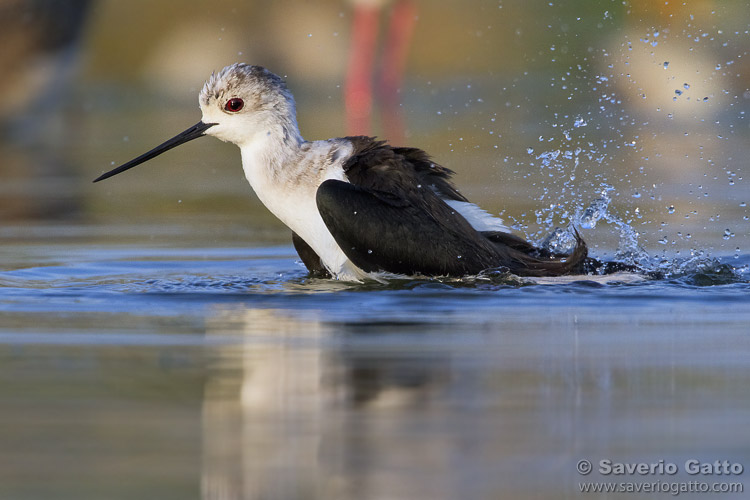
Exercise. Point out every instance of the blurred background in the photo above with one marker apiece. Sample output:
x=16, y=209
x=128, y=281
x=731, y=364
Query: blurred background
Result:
x=538, y=106
x=158, y=340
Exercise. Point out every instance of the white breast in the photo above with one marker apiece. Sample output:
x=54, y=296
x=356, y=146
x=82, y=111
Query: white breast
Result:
x=288, y=191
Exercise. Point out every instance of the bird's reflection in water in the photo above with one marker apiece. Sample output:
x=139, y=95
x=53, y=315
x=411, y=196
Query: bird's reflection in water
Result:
x=299, y=411
x=308, y=406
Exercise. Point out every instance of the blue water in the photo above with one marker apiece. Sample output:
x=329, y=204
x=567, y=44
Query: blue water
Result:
x=178, y=281
x=129, y=369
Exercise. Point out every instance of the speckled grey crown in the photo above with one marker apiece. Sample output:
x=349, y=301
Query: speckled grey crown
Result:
x=245, y=80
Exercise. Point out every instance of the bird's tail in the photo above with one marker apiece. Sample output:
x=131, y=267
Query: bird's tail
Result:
x=524, y=259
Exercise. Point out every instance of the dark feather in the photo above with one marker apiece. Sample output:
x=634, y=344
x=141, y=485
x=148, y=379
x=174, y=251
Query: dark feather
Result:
x=392, y=218
x=376, y=165
x=378, y=234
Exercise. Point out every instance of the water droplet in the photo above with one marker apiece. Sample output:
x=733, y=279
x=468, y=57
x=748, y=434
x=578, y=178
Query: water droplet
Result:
x=636, y=195
x=458, y=256
x=666, y=64
x=670, y=209
x=678, y=92
x=369, y=251
x=685, y=86
x=594, y=212
x=559, y=241
x=528, y=150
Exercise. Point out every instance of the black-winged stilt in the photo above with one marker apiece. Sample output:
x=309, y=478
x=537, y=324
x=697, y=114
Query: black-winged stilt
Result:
x=356, y=206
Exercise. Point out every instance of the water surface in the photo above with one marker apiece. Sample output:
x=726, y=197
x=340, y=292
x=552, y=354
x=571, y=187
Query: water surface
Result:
x=137, y=370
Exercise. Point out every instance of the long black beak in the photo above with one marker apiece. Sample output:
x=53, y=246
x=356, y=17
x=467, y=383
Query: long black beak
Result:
x=197, y=130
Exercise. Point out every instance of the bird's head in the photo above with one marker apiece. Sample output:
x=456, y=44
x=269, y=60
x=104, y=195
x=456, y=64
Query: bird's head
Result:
x=243, y=101
x=239, y=104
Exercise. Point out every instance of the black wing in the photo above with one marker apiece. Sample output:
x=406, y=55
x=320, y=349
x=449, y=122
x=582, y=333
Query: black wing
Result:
x=376, y=165
x=382, y=232
x=391, y=217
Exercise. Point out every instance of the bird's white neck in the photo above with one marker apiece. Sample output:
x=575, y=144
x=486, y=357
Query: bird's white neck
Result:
x=285, y=172
x=272, y=144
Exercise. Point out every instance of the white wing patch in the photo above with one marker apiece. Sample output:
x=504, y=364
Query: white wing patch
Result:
x=479, y=219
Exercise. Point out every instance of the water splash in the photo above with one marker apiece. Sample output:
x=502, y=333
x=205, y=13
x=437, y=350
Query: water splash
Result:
x=580, y=122
x=559, y=241
x=629, y=251
x=699, y=269
x=577, y=152
x=597, y=209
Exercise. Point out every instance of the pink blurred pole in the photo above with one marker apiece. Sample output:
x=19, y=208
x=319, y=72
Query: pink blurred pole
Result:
x=358, y=85
x=400, y=30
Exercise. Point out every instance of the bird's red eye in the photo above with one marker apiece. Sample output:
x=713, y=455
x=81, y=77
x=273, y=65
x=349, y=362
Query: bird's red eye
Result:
x=234, y=104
